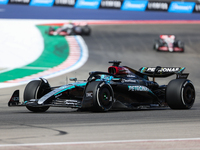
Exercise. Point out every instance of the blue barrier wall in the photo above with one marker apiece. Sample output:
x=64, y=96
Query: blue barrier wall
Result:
x=126, y=5
x=59, y=12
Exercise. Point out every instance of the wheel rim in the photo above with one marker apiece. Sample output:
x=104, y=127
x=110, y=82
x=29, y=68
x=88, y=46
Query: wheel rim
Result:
x=189, y=95
x=105, y=98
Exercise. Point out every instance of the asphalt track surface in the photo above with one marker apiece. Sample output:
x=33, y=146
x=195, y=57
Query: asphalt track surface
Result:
x=61, y=128
x=64, y=128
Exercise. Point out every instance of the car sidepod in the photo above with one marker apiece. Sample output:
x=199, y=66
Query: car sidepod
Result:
x=134, y=95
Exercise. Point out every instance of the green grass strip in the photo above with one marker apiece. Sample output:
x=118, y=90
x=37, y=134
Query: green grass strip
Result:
x=56, y=50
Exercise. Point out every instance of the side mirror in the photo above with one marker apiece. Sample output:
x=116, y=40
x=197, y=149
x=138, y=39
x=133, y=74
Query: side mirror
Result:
x=73, y=79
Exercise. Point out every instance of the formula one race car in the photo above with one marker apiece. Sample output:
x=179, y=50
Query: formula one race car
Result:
x=70, y=29
x=168, y=43
x=120, y=87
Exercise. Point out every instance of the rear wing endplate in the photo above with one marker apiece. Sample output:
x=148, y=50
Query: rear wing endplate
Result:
x=182, y=76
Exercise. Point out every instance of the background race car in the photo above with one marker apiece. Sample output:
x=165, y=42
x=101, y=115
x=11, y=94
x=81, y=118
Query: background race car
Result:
x=70, y=29
x=168, y=43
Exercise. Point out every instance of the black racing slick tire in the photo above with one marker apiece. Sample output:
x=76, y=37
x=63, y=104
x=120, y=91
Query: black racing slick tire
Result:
x=51, y=29
x=102, y=96
x=86, y=30
x=34, y=90
x=180, y=44
x=180, y=94
x=156, y=45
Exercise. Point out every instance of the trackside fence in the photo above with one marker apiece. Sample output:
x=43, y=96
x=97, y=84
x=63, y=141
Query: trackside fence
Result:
x=124, y=5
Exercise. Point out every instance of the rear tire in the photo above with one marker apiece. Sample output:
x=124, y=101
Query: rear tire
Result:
x=51, y=29
x=180, y=94
x=35, y=90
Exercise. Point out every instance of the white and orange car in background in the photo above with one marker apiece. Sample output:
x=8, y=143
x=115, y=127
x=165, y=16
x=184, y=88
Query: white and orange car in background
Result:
x=168, y=43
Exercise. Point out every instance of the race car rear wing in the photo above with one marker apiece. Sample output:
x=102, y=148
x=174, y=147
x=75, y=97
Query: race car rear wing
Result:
x=164, y=71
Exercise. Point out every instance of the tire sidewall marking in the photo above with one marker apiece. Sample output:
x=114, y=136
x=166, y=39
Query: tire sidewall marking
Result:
x=182, y=89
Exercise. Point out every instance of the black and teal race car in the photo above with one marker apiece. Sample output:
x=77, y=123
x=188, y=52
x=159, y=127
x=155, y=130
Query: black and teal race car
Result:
x=120, y=88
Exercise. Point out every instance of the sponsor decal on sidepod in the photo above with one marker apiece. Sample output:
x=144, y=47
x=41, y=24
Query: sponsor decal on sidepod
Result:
x=138, y=88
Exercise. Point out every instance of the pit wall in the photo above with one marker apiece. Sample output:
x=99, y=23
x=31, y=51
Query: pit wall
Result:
x=124, y=5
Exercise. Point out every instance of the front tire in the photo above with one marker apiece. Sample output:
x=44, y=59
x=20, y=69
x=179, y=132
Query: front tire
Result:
x=180, y=44
x=156, y=45
x=180, y=94
x=102, y=97
x=35, y=90
x=86, y=30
